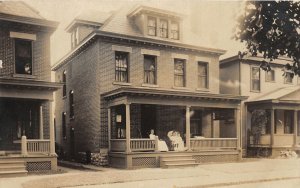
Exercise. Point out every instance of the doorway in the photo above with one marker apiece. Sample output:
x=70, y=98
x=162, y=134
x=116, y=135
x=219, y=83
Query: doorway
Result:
x=148, y=119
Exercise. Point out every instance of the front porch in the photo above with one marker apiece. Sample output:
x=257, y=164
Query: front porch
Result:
x=144, y=128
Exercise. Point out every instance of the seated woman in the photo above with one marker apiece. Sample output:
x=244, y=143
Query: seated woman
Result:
x=176, y=141
x=162, y=146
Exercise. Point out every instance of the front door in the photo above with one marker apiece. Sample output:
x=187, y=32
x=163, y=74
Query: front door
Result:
x=148, y=120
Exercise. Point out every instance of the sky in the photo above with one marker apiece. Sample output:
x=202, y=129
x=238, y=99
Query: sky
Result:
x=213, y=21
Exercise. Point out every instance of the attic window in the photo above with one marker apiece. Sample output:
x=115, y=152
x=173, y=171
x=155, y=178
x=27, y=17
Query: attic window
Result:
x=164, y=28
x=151, y=26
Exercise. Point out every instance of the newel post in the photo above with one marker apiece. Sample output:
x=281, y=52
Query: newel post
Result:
x=24, y=146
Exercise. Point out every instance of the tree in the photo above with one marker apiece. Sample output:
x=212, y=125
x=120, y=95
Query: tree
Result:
x=271, y=28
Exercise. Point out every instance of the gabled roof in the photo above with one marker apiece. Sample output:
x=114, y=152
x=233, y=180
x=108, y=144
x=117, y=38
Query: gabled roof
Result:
x=279, y=61
x=18, y=11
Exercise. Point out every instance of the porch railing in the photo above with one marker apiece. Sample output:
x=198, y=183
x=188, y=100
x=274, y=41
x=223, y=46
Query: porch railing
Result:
x=143, y=144
x=38, y=146
x=208, y=143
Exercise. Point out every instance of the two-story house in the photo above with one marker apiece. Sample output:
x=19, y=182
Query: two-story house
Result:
x=135, y=71
x=271, y=117
x=26, y=90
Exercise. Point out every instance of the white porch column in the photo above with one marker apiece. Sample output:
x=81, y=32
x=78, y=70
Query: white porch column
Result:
x=188, y=128
x=24, y=146
x=127, y=127
x=51, y=131
x=295, y=127
x=272, y=127
x=109, y=127
x=237, y=115
x=41, y=123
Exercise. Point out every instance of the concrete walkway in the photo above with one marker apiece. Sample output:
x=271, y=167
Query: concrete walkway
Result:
x=207, y=175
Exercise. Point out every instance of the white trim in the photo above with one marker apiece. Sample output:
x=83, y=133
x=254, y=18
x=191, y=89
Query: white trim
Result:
x=150, y=52
x=203, y=59
x=179, y=56
x=121, y=48
x=22, y=35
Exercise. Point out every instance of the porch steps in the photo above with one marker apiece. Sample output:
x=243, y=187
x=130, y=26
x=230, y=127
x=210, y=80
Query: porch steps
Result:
x=177, y=161
x=12, y=168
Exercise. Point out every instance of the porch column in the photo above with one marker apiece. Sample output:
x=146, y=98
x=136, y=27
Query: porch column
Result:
x=41, y=123
x=295, y=127
x=51, y=131
x=237, y=115
x=109, y=127
x=188, y=128
x=272, y=127
x=128, y=127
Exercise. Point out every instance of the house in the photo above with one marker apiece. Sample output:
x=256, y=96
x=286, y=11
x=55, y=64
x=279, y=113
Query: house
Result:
x=26, y=91
x=273, y=97
x=134, y=71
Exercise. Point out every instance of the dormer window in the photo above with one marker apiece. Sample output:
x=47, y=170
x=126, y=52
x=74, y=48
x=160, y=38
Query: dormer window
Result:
x=163, y=28
x=151, y=26
x=74, y=38
x=174, y=30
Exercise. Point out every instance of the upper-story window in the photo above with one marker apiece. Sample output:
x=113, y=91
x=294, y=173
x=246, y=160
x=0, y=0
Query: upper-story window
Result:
x=202, y=75
x=179, y=72
x=149, y=69
x=71, y=103
x=255, y=79
x=121, y=73
x=163, y=28
x=174, y=30
x=270, y=76
x=288, y=79
x=23, y=56
x=152, y=26
x=74, y=38
x=64, y=126
x=64, y=79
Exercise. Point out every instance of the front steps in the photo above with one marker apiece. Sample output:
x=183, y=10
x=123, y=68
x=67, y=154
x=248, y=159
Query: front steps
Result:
x=10, y=167
x=177, y=161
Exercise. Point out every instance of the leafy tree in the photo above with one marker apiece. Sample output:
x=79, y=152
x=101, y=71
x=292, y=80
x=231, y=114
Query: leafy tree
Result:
x=271, y=28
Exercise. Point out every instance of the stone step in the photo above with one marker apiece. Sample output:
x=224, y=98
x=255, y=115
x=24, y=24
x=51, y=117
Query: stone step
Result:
x=15, y=173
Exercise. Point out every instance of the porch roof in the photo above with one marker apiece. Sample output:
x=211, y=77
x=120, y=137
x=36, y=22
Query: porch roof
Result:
x=26, y=88
x=169, y=93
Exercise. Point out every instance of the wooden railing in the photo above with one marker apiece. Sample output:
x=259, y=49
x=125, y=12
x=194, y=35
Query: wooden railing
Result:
x=38, y=146
x=209, y=143
x=142, y=144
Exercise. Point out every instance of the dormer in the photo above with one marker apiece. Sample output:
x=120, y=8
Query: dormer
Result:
x=85, y=24
x=153, y=22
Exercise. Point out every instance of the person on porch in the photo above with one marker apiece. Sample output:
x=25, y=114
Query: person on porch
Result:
x=162, y=146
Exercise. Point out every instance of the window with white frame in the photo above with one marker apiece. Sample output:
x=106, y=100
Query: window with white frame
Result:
x=149, y=69
x=23, y=56
x=179, y=72
x=270, y=76
x=163, y=28
x=174, y=30
x=121, y=72
x=64, y=125
x=64, y=79
x=288, y=79
x=71, y=103
x=255, y=79
x=151, y=26
x=202, y=75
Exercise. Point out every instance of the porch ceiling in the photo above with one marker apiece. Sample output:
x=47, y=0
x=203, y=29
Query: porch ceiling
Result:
x=157, y=96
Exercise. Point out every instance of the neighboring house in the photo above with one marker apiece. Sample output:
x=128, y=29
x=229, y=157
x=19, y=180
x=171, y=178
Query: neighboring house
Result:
x=26, y=90
x=272, y=94
x=134, y=70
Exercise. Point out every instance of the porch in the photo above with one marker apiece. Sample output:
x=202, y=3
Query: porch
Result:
x=146, y=127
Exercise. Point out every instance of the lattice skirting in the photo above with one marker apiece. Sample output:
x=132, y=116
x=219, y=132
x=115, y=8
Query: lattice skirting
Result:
x=215, y=158
x=38, y=166
x=144, y=162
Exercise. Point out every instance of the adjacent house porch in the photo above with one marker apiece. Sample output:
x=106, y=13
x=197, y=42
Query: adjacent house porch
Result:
x=204, y=127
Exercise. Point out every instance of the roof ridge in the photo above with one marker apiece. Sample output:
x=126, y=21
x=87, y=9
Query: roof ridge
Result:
x=33, y=9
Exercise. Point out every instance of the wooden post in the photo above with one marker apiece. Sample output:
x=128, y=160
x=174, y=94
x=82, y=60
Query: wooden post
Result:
x=109, y=127
x=237, y=115
x=128, y=150
x=24, y=146
x=41, y=123
x=295, y=127
x=188, y=128
x=51, y=131
x=156, y=143
x=272, y=127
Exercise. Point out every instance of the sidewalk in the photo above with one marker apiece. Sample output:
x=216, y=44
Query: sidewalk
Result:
x=201, y=176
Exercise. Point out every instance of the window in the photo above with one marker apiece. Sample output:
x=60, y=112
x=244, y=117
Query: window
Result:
x=64, y=126
x=270, y=76
x=121, y=59
x=71, y=103
x=255, y=79
x=23, y=56
x=288, y=122
x=288, y=79
x=149, y=69
x=202, y=75
x=64, y=79
x=152, y=26
x=164, y=28
x=179, y=73
x=174, y=30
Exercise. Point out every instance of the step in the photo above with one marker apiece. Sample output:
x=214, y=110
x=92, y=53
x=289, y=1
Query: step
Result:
x=12, y=168
x=11, y=163
x=167, y=162
x=183, y=165
x=176, y=157
x=16, y=173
